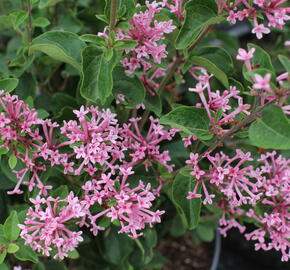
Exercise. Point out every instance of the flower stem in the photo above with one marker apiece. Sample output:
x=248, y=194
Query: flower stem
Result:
x=113, y=15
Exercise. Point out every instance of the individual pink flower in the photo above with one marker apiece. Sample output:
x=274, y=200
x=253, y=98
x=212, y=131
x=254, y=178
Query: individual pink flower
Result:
x=259, y=30
x=262, y=82
x=244, y=55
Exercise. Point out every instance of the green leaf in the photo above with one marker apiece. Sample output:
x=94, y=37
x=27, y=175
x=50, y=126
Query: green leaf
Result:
x=131, y=87
x=125, y=44
x=191, y=120
x=48, y=3
x=117, y=247
x=217, y=56
x=42, y=114
x=97, y=79
x=41, y=22
x=60, y=45
x=73, y=254
x=285, y=62
x=199, y=14
x=61, y=100
x=153, y=103
x=189, y=210
x=6, y=22
x=4, y=266
x=25, y=253
x=61, y=192
x=11, y=229
x=20, y=17
x=211, y=68
x=12, y=161
x=3, y=255
x=206, y=232
x=93, y=39
x=3, y=239
x=12, y=248
x=261, y=58
x=3, y=151
x=8, y=85
x=272, y=131
x=39, y=266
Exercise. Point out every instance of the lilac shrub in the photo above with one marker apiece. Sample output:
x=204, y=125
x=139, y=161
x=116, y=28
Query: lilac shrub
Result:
x=163, y=128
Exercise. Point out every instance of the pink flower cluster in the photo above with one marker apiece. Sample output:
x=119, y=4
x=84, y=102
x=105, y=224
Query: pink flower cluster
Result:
x=270, y=9
x=147, y=148
x=46, y=227
x=233, y=183
x=175, y=7
x=96, y=147
x=275, y=223
x=20, y=125
x=229, y=176
x=262, y=85
x=217, y=103
x=119, y=202
x=95, y=142
x=147, y=32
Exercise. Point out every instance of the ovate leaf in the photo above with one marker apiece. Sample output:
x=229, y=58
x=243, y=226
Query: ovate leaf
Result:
x=261, y=58
x=218, y=56
x=12, y=248
x=285, y=62
x=191, y=120
x=12, y=161
x=131, y=87
x=41, y=22
x=272, y=131
x=48, y=3
x=97, y=79
x=25, y=253
x=189, y=210
x=199, y=14
x=8, y=85
x=211, y=68
x=11, y=229
x=60, y=45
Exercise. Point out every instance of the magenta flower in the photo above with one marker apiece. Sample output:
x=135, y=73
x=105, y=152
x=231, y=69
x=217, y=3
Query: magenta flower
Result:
x=215, y=101
x=45, y=228
x=238, y=183
x=130, y=206
x=246, y=57
x=259, y=30
x=262, y=82
x=147, y=149
x=270, y=10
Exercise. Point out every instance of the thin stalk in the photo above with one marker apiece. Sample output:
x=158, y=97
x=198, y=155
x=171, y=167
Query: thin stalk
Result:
x=113, y=15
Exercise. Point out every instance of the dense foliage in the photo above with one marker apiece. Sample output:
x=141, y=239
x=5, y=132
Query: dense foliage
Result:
x=122, y=123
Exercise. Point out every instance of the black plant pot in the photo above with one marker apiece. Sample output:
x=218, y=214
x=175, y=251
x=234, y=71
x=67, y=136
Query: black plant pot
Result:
x=239, y=254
